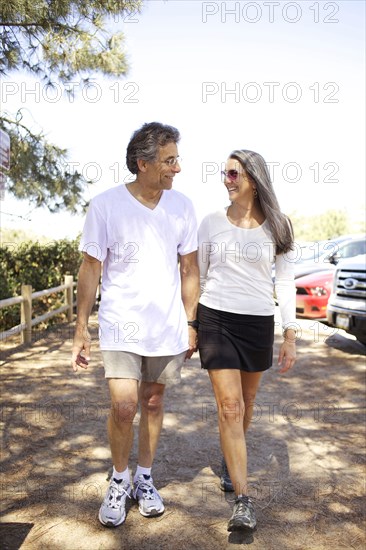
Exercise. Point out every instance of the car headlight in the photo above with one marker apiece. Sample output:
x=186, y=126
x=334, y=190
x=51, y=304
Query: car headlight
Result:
x=318, y=291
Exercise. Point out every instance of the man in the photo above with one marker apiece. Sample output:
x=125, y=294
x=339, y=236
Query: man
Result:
x=145, y=236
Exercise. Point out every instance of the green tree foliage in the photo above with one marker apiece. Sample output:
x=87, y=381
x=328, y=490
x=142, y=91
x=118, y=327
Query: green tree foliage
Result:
x=40, y=265
x=328, y=225
x=56, y=40
x=63, y=38
x=39, y=170
x=332, y=224
x=10, y=237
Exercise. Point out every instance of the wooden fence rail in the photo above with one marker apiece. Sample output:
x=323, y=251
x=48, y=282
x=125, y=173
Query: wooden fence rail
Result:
x=26, y=308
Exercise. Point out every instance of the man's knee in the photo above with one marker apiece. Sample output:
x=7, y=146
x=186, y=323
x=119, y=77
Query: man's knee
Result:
x=124, y=411
x=152, y=398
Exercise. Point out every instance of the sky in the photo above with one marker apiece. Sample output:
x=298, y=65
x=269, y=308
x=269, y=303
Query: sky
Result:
x=284, y=79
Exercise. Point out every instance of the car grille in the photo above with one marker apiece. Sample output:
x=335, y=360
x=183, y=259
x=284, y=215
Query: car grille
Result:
x=351, y=284
x=300, y=290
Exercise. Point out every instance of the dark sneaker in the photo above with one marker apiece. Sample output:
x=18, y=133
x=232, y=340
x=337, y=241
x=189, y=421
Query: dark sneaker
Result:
x=150, y=502
x=225, y=481
x=113, y=509
x=243, y=515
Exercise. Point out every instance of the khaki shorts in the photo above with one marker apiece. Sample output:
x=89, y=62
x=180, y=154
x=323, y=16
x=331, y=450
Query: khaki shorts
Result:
x=123, y=364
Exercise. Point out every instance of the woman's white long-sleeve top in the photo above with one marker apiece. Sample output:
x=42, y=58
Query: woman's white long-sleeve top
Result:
x=236, y=270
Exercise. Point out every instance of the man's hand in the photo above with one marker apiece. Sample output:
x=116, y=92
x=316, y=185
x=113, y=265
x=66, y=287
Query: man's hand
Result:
x=88, y=279
x=81, y=348
x=190, y=277
x=193, y=342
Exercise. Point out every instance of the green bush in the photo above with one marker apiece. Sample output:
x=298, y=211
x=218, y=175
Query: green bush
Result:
x=40, y=265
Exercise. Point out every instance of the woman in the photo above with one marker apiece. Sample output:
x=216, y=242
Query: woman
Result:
x=237, y=248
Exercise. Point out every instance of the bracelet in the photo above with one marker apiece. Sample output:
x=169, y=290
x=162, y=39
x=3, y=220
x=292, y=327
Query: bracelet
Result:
x=193, y=324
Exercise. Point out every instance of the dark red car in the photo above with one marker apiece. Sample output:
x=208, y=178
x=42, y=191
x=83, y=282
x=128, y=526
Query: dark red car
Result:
x=312, y=294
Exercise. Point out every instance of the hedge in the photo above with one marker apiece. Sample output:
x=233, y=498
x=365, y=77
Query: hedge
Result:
x=40, y=265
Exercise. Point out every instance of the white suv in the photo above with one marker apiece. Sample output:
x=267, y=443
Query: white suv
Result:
x=346, y=307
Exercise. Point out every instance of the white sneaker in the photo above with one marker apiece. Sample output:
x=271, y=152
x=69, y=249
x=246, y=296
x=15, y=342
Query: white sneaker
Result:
x=113, y=509
x=150, y=502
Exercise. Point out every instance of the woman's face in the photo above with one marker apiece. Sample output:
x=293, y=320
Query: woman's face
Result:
x=237, y=181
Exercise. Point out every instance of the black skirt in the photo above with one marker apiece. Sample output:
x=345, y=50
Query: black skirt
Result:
x=235, y=341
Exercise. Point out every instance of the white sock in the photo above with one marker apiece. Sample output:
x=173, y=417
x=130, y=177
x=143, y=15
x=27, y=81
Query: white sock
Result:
x=140, y=470
x=125, y=476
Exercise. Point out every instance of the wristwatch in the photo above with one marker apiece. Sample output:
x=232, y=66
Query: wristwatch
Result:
x=193, y=324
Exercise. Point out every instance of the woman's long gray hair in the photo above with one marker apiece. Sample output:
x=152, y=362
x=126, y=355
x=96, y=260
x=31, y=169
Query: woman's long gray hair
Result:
x=281, y=228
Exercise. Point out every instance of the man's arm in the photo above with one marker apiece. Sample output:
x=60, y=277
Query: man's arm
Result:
x=190, y=278
x=88, y=280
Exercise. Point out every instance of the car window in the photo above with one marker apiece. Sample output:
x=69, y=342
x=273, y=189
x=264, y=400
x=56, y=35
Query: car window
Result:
x=317, y=251
x=353, y=249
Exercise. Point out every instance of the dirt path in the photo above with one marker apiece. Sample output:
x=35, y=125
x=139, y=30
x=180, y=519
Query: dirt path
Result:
x=306, y=455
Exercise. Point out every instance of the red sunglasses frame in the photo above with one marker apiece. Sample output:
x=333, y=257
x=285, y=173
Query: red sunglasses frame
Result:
x=231, y=175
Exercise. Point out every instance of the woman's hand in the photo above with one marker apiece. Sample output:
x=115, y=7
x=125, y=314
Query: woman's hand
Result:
x=287, y=355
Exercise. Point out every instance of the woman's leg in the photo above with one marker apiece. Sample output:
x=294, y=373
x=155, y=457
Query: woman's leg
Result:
x=235, y=393
x=227, y=387
x=249, y=382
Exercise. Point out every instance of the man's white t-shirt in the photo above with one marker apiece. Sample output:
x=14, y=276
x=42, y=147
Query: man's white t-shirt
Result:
x=141, y=309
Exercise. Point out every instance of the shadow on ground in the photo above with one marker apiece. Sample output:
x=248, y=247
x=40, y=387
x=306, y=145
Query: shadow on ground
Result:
x=305, y=446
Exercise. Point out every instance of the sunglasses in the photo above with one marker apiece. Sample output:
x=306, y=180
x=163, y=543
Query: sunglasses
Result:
x=231, y=175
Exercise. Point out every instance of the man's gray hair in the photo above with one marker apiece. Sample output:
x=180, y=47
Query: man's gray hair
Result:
x=145, y=142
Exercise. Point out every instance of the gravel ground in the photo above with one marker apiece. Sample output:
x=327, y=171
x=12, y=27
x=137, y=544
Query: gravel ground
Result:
x=306, y=454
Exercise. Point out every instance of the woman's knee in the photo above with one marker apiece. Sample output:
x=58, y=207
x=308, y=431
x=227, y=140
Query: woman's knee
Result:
x=249, y=400
x=231, y=410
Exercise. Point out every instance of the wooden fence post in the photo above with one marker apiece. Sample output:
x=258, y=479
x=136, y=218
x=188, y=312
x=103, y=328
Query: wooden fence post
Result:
x=26, y=313
x=69, y=296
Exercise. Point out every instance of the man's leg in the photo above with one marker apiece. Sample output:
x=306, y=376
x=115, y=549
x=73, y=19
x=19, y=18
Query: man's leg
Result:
x=151, y=421
x=156, y=373
x=124, y=402
x=124, y=399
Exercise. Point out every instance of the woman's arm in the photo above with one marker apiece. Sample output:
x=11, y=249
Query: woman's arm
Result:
x=286, y=297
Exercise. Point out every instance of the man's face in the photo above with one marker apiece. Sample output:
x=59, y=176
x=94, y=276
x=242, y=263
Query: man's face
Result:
x=159, y=174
